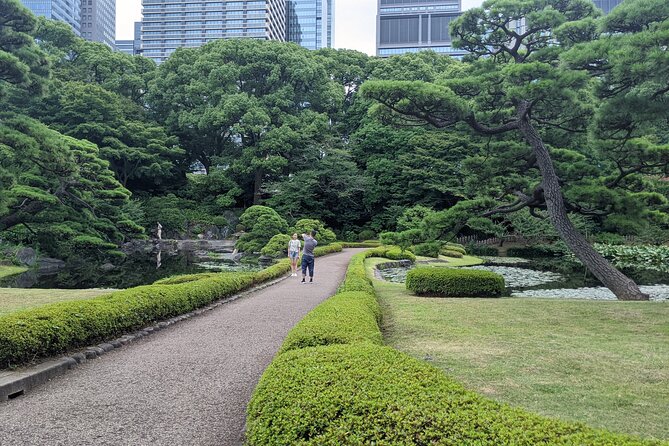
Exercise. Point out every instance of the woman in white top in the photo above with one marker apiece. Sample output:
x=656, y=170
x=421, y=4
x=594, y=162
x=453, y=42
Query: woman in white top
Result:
x=294, y=247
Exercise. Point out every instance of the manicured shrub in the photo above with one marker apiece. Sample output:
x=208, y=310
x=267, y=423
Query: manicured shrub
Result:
x=356, y=276
x=261, y=223
x=539, y=250
x=449, y=246
x=366, y=235
x=482, y=250
x=369, y=244
x=364, y=394
x=427, y=249
x=277, y=246
x=345, y=318
x=395, y=253
x=324, y=235
x=454, y=254
x=454, y=282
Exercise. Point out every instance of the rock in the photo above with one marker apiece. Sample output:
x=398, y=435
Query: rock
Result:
x=107, y=267
x=26, y=256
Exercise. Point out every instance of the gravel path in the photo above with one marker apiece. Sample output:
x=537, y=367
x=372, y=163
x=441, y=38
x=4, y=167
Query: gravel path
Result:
x=185, y=385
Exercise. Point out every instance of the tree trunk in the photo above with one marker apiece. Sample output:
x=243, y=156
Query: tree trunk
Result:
x=621, y=285
x=257, y=184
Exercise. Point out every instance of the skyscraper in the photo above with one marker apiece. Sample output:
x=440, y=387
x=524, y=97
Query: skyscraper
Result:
x=408, y=26
x=68, y=11
x=131, y=47
x=170, y=24
x=607, y=5
x=310, y=23
x=98, y=21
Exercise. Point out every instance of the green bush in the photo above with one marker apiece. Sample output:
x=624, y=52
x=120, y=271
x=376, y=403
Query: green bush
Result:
x=395, y=253
x=454, y=254
x=261, y=224
x=364, y=394
x=453, y=282
x=366, y=235
x=368, y=244
x=448, y=246
x=345, y=318
x=427, y=249
x=329, y=249
x=539, y=250
x=356, y=275
x=324, y=235
x=482, y=250
x=276, y=247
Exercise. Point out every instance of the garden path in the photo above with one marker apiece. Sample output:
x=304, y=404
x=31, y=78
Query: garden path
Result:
x=188, y=384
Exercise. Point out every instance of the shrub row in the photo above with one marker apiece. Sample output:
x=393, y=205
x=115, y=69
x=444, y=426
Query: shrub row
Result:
x=364, y=394
x=369, y=244
x=454, y=282
x=333, y=384
x=392, y=253
x=53, y=329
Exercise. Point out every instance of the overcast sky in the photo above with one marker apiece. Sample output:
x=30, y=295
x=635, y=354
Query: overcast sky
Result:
x=355, y=22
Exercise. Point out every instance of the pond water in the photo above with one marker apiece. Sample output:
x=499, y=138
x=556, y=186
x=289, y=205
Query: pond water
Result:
x=552, y=279
x=136, y=269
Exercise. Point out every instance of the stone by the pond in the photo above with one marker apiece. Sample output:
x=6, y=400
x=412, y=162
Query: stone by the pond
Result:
x=26, y=256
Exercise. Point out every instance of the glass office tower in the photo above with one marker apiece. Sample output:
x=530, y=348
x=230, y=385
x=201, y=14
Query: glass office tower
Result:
x=68, y=11
x=98, y=21
x=607, y=5
x=405, y=26
x=311, y=23
x=169, y=24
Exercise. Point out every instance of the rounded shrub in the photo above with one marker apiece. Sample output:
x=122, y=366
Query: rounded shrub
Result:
x=276, y=247
x=448, y=246
x=454, y=282
x=453, y=254
x=427, y=249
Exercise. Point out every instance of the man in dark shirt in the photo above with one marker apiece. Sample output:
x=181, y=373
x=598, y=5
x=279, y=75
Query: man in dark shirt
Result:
x=308, y=256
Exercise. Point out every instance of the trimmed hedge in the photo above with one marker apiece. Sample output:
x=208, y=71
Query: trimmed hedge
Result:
x=392, y=253
x=363, y=393
x=370, y=244
x=453, y=254
x=333, y=384
x=346, y=318
x=56, y=328
x=452, y=282
x=427, y=249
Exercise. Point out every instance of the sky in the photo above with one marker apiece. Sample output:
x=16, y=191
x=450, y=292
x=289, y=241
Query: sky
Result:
x=355, y=22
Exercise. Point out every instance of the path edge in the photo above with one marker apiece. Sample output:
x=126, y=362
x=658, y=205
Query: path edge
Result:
x=17, y=383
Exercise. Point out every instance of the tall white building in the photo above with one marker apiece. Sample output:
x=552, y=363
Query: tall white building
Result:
x=169, y=24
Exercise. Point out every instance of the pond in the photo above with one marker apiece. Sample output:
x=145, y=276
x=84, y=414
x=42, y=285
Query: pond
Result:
x=551, y=278
x=138, y=268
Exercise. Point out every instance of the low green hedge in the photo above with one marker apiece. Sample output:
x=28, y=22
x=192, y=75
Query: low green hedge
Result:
x=365, y=394
x=453, y=282
x=334, y=384
x=55, y=328
x=370, y=244
x=453, y=254
x=356, y=275
x=427, y=249
x=345, y=318
x=392, y=253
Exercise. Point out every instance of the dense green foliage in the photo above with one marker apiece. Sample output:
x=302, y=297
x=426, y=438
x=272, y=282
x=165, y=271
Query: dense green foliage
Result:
x=330, y=365
x=196, y=141
x=260, y=224
x=454, y=282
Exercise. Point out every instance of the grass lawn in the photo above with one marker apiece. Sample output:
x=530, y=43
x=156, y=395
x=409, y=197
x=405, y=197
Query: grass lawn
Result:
x=6, y=271
x=451, y=261
x=602, y=363
x=14, y=299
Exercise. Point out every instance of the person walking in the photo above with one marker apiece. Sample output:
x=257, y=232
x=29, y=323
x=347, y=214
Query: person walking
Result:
x=294, y=247
x=308, y=256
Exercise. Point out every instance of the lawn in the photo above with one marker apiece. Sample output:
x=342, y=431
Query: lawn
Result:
x=6, y=271
x=602, y=363
x=14, y=299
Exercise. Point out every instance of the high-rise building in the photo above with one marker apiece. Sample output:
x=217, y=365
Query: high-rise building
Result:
x=170, y=24
x=408, y=26
x=68, y=11
x=98, y=21
x=607, y=5
x=310, y=23
x=131, y=47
